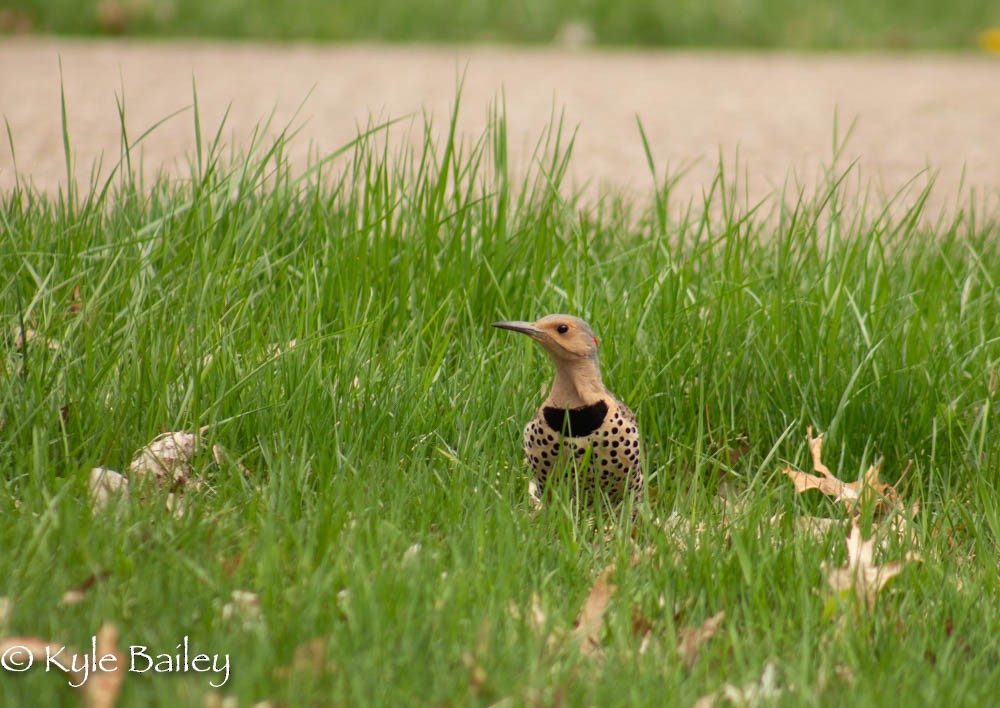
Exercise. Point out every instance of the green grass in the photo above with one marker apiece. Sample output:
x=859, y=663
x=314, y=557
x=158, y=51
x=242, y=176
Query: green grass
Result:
x=396, y=418
x=854, y=24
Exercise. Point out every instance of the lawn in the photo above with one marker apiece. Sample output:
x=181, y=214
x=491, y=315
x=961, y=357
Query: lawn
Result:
x=368, y=505
x=823, y=24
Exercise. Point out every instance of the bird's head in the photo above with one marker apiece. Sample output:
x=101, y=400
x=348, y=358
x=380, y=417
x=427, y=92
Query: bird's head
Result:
x=564, y=337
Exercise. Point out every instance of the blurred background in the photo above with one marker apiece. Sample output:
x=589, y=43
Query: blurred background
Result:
x=793, y=24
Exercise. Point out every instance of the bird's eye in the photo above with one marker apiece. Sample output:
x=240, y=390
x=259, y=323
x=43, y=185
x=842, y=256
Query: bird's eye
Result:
x=562, y=329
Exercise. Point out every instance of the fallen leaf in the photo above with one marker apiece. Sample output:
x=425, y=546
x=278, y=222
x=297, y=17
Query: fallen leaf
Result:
x=175, y=505
x=5, y=611
x=591, y=619
x=816, y=527
x=471, y=659
x=861, y=574
x=77, y=303
x=763, y=690
x=642, y=627
x=411, y=554
x=76, y=595
x=245, y=607
x=98, y=688
x=30, y=336
x=535, y=614
x=214, y=699
x=276, y=350
x=534, y=498
x=882, y=495
x=103, y=485
x=167, y=458
x=690, y=640
x=222, y=456
x=101, y=688
x=309, y=657
x=20, y=653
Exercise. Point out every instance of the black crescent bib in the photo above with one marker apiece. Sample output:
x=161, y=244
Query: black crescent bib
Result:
x=576, y=422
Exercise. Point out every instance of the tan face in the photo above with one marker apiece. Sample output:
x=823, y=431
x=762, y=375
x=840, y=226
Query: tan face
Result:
x=563, y=336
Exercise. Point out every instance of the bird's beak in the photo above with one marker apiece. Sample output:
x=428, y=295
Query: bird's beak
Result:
x=523, y=327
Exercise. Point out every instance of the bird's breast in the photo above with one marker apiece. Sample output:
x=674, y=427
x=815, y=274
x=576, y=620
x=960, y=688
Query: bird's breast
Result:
x=576, y=422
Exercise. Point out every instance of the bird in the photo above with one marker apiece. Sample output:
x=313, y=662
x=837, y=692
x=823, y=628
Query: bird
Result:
x=580, y=416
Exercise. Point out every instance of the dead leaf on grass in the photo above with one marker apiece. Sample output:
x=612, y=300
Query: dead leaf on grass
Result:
x=309, y=658
x=77, y=594
x=861, y=574
x=591, y=618
x=98, y=687
x=101, y=688
x=76, y=303
x=276, y=350
x=167, y=458
x=222, y=456
x=471, y=659
x=5, y=611
x=690, y=640
x=20, y=653
x=815, y=527
x=763, y=690
x=244, y=607
x=883, y=495
x=534, y=497
x=104, y=485
x=535, y=614
x=30, y=336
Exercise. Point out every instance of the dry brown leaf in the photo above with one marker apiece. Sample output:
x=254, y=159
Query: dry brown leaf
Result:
x=309, y=658
x=684, y=533
x=77, y=303
x=101, y=688
x=222, y=456
x=690, y=639
x=21, y=653
x=245, y=607
x=6, y=606
x=642, y=627
x=103, y=485
x=816, y=527
x=534, y=498
x=76, y=595
x=477, y=674
x=276, y=350
x=882, y=495
x=99, y=685
x=30, y=336
x=861, y=574
x=167, y=458
x=535, y=614
x=588, y=624
x=763, y=690
x=214, y=699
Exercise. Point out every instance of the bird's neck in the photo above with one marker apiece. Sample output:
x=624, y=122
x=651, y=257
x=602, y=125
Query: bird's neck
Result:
x=577, y=384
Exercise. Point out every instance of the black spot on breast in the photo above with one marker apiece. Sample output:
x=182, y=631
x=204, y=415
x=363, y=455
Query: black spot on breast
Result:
x=576, y=422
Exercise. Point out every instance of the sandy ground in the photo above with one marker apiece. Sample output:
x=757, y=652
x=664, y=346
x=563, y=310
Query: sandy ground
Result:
x=776, y=111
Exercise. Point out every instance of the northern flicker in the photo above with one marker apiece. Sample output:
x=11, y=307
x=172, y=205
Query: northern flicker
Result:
x=580, y=414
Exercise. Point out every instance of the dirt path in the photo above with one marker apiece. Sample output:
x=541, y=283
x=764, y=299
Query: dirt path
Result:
x=777, y=109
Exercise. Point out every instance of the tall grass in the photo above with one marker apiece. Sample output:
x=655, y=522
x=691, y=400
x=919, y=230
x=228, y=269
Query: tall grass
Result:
x=385, y=508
